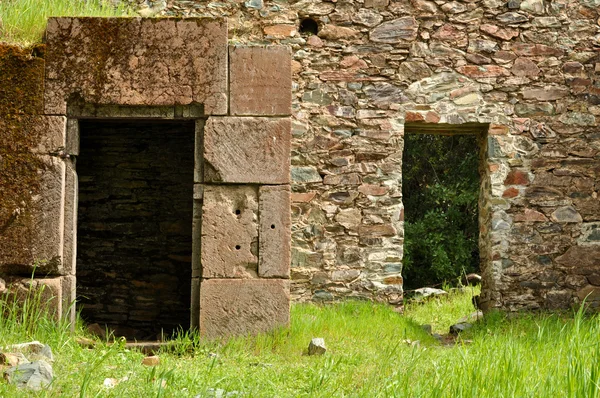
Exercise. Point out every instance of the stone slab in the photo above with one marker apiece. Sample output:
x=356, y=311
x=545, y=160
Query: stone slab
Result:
x=56, y=295
x=21, y=81
x=197, y=237
x=136, y=61
x=72, y=137
x=260, y=80
x=195, y=305
x=51, y=133
x=33, y=238
x=71, y=193
x=274, y=231
x=199, y=151
x=247, y=150
x=229, y=232
x=230, y=307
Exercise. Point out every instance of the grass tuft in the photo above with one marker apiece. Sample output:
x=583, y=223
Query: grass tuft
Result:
x=23, y=22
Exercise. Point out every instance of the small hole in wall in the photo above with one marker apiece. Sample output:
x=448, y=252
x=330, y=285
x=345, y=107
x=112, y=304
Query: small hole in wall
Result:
x=238, y=212
x=309, y=26
x=272, y=226
x=238, y=247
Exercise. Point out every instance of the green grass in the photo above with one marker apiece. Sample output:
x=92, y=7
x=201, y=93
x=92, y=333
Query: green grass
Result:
x=23, y=22
x=369, y=355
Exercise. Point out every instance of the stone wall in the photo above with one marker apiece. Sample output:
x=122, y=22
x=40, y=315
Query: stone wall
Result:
x=236, y=199
x=526, y=69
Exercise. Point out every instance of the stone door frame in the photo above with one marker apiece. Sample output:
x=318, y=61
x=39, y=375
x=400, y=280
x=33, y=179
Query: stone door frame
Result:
x=77, y=111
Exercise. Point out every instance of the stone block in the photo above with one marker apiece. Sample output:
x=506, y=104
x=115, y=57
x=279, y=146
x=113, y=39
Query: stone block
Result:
x=51, y=133
x=580, y=257
x=199, y=151
x=260, y=80
x=197, y=235
x=33, y=238
x=21, y=81
x=229, y=232
x=55, y=295
x=230, y=307
x=247, y=150
x=70, y=219
x=135, y=61
x=274, y=231
x=72, y=137
x=195, y=304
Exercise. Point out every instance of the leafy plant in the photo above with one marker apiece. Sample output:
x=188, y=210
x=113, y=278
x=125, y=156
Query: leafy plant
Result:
x=440, y=194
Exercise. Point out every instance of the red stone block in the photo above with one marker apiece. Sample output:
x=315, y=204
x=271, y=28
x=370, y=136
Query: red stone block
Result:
x=230, y=307
x=134, y=61
x=516, y=177
x=229, y=232
x=260, y=80
x=247, y=150
x=274, y=236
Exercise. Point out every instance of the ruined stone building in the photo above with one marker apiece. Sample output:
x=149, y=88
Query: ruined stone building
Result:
x=521, y=75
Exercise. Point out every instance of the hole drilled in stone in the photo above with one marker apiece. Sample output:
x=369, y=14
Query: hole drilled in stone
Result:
x=238, y=212
x=238, y=247
x=309, y=26
x=135, y=225
x=272, y=226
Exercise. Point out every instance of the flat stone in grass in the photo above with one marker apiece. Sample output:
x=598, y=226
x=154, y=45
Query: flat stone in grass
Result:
x=460, y=327
x=317, y=346
x=33, y=375
x=426, y=292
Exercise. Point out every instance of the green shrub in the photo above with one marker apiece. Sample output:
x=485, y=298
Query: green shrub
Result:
x=440, y=194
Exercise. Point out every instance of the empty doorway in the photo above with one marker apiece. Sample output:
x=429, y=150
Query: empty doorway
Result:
x=134, y=229
x=442, y=173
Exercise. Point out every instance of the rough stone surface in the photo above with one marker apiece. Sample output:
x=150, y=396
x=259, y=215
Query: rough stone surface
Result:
x=529, y=66
x=274, y=235
x=35, y=375
x=231, y=307
x=260, y=80
x=172, y=62
x=229, y=232
x=247, y=150
x=317, y=346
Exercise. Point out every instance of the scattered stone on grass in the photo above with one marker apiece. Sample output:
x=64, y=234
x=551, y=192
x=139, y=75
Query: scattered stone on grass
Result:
x=471, y=279
x=32, y=375
x=317, y=346
x=472, y=317
x=34, y=350
x=2, y=286
x=109, y=382
x=412, y=343
x=460, y=327
x=427, y=328
x=426, y=292
x=219, y=393
x=97, y=330
x=12, y=358
x=85, y=342
x=151, y=360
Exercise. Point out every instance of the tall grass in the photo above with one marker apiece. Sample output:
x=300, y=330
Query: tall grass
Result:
x=371, y=353
x=23, y=21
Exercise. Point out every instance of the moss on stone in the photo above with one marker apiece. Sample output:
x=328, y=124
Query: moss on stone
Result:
x=21, y=100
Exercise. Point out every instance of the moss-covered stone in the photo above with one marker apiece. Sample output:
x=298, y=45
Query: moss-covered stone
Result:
x=21, y=100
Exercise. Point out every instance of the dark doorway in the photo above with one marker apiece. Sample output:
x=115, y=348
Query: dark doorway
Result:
x=135, y=225
x=440, y=189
